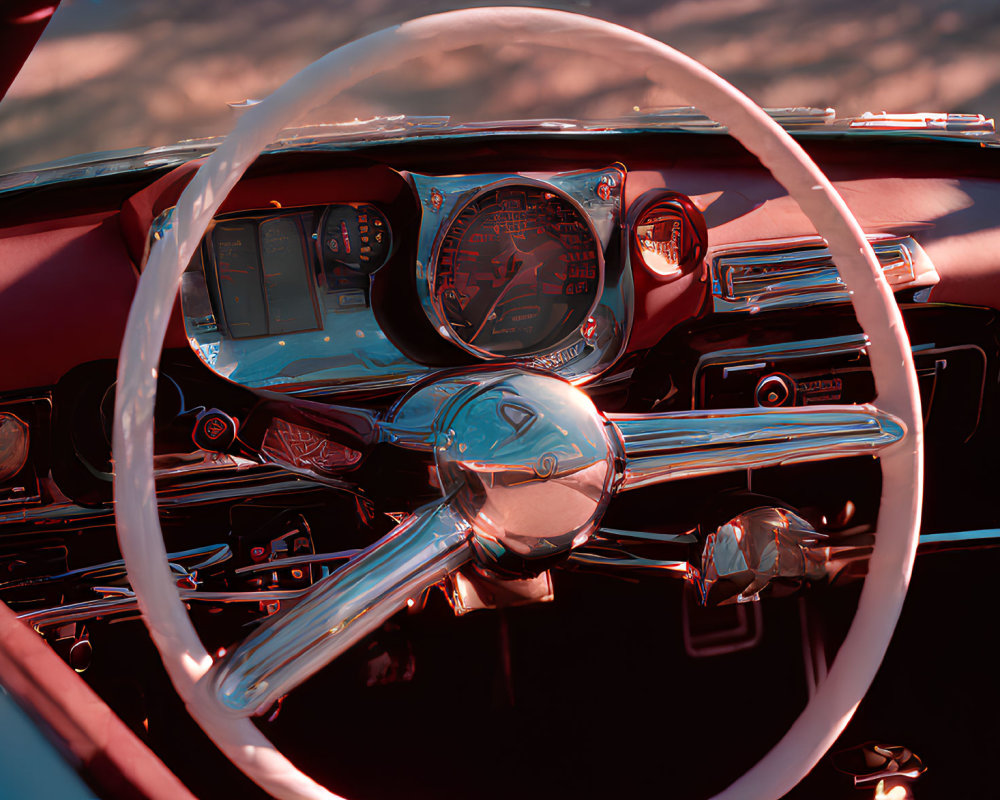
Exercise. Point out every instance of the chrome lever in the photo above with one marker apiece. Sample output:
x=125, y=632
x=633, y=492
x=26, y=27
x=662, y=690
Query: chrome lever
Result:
x=613, y=549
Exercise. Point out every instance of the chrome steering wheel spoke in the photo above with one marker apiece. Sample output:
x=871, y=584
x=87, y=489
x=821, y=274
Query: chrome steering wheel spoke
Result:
x=342, y=608
x=527, y=466
x=689, y=444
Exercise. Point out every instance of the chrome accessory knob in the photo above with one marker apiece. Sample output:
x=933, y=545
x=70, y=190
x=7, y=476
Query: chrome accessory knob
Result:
x=774, y=391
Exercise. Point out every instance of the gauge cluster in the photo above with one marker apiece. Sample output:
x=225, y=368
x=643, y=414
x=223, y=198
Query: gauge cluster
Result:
x=526, y=267
x=282, y=297
x=521, y=267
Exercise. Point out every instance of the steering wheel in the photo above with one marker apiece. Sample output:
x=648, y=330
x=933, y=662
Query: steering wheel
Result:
x=556, y=447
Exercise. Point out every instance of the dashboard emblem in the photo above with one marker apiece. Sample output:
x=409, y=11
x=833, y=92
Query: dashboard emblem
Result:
x=604, y=187
x=214, y=428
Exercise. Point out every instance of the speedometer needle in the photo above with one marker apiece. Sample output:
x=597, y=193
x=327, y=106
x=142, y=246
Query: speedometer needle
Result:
x=523, y=268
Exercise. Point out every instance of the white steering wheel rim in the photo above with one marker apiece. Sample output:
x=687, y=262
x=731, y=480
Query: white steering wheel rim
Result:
x=140, y=537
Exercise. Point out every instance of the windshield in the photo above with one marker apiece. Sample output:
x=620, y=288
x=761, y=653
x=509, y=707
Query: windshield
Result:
x=118, y=74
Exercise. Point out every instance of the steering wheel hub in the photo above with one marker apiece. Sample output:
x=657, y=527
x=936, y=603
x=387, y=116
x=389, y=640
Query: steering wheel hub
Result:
x=525, y=509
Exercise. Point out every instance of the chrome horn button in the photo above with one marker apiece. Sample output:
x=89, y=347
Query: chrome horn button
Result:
x=530, y=463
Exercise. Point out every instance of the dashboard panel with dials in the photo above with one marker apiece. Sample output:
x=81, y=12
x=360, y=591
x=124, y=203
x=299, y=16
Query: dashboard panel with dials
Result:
x=519, y=267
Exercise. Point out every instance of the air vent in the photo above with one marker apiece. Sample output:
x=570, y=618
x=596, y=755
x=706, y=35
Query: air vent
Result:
x=794, y=273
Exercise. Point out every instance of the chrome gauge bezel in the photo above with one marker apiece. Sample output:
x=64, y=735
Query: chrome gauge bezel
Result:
x=596, y=195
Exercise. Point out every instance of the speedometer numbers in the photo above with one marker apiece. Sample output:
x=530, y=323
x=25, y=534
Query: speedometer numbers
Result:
x=517, y=271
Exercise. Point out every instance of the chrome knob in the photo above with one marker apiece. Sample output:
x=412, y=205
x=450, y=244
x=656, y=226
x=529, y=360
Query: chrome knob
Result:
x=743, y=556
x=774, y=391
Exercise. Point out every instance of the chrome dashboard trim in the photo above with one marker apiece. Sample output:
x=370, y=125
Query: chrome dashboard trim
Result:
x=962, y=537
x=176, y=496
x=797, y=273
x=356, y=134
x=123, y=601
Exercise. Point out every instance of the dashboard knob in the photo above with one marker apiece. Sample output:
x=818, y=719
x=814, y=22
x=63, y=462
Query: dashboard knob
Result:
x=775, y=390
x=215, y=431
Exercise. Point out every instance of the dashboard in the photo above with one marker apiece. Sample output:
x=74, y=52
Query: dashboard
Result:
x=636, y=241
x=659, y=279
x=673, y=278
x=387, y=280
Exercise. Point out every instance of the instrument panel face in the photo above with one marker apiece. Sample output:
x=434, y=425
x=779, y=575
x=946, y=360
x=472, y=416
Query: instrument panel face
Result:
x=283, y=296
x=261, y=270
x=518, y=269
x=508, y=266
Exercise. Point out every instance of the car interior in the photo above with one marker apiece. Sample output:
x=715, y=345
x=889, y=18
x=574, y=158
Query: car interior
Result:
x=331, y=369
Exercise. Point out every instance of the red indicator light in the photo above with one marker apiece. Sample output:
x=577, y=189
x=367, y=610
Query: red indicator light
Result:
x=345, y=238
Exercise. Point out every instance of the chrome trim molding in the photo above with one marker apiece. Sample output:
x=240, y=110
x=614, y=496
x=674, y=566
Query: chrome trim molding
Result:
x=119, y=600
x=796, y=273
x=357, y=134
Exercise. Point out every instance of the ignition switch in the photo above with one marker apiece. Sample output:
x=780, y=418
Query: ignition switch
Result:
x=775, y=390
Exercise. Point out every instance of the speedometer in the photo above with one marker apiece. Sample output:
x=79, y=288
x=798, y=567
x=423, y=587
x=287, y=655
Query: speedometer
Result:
x=517, y=271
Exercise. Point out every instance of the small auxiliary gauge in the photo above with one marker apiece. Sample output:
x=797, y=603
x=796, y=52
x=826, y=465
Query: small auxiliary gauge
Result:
x=668, y=234
x=356, y=237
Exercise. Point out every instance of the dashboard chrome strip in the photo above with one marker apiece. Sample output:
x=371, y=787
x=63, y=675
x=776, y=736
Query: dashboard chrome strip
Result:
x=174, y=497
x=204, y=557
x=796, y=273
x=830, y=346
x=379, y=130
x=124, y=602
x=297, y=561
